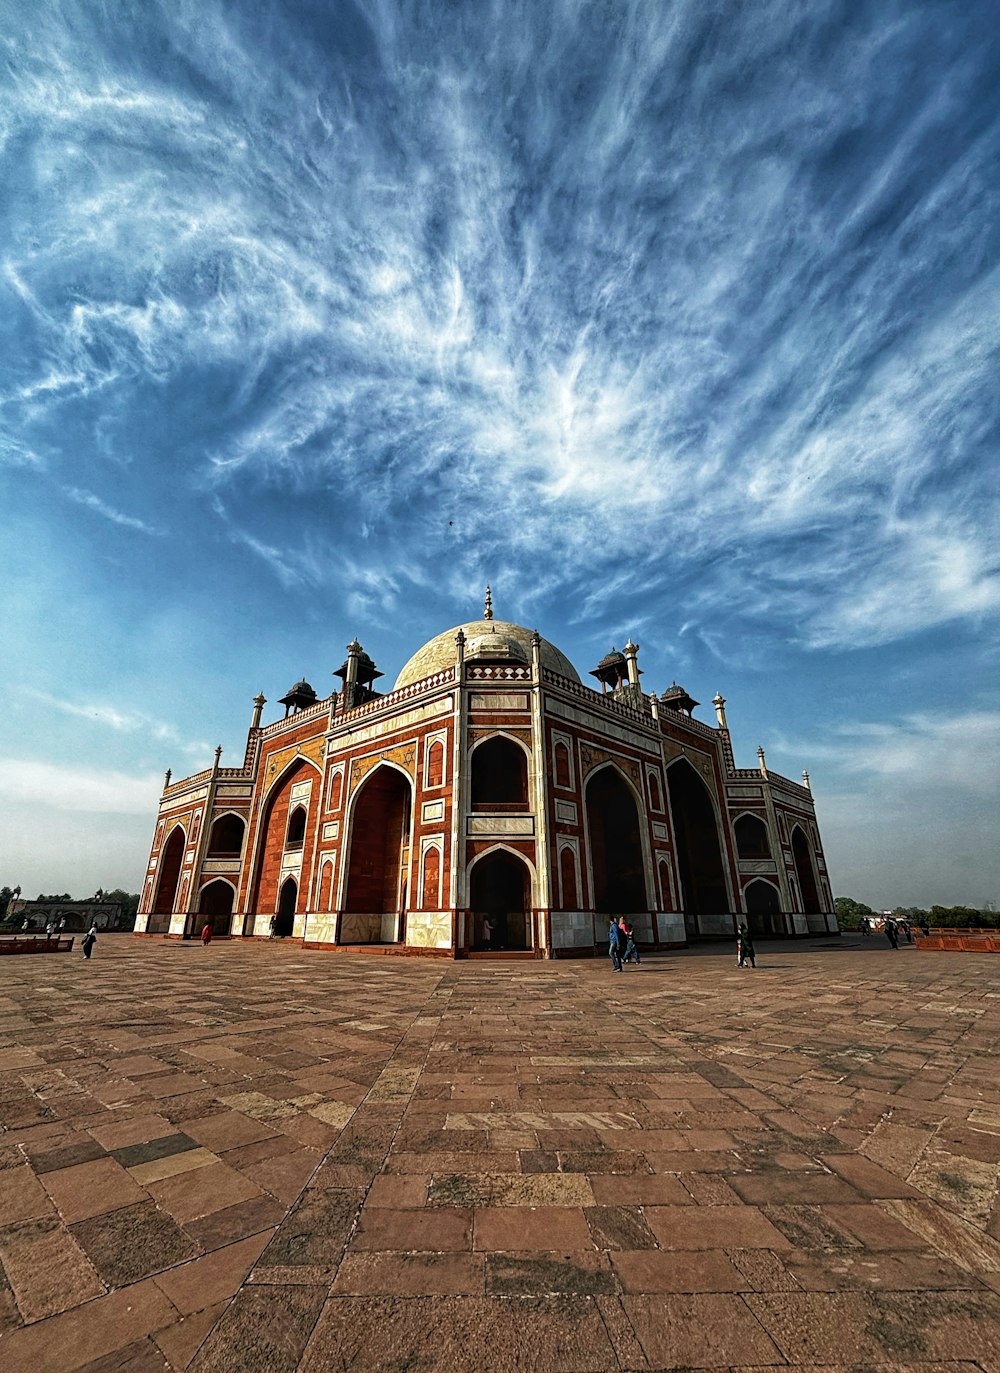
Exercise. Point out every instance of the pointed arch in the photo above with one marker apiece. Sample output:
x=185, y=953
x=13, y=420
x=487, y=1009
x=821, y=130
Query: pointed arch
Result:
x=380, y=821
x=763, y=906
x=435, y=763
x=562, y=768
x=288, y=900
x=168, y=877
x=326, y=887
x=695, y=814
x=805, y=872
x=271, y=831
x=430, y=886
x=225, y=838
x=616, y=841
x=215, y=906
x=499, y=774
x=752, y=840
x=335, y=790
x=296, y=831
x=501, y=883
x=568, y=885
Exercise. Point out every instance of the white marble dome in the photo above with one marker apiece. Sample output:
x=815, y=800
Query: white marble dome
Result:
x=513, y=642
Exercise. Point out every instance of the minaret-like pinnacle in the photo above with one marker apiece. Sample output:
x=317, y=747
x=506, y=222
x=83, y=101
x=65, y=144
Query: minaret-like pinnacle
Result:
x=488, y=611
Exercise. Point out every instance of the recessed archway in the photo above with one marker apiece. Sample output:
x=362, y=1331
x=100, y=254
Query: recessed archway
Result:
x=171, y=857
x=375, y=884
x=699, y=852
x=225, y=839
x=499, y=775
x=805, y=873
x=215, y=907
x=616, y=855
x=271, y=840
x=288, y=899
x=763, y=908
x=500, y=891
x=751, y=837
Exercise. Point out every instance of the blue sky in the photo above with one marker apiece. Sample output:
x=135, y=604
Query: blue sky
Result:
x=677, y=320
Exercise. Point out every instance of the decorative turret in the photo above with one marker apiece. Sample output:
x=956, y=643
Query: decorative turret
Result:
x=218, y=756
x=612, y=670
x=719, y=701
x=488, y=608
x=298, y=698
x=357, y=673
x=806, y=781
x=762, y=760
x=259, y=702
x=676, y=698
x=632, y=663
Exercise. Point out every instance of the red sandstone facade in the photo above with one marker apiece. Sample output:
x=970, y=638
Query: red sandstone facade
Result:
x=489, y=803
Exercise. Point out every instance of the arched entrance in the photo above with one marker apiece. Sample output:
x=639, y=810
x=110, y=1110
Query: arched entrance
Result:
x=699, y=853
x=215, y=908
x=806, y=875
x=500, y=891
x=375, y=891
x=273, y=841
x=615, y=845
x=499, y=775
x=166, y=888
x=763, y=908
x=284, y=920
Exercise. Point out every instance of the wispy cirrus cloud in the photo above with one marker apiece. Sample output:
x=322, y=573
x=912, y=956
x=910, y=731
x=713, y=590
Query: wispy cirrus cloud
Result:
x=100, y=507
x=708, y=295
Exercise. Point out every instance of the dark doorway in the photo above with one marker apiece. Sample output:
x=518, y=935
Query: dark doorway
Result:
x=166, y=890
x=499, y=892
x=380, y=854
x=615, y=846
x=751, y=837
x=764, y=908
x=215, y=907
x=226, y=838
x=284, y=921
x=699, y=855
x=499, y=775
x=805, y=873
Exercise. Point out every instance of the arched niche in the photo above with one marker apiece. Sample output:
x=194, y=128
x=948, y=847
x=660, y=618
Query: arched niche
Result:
x=699, y=850
x=805, y=872
x=499, y=775
x=272, y=836
x=614, y=837
x=288, y=899
x=751, y=837
x=500, y=890
x=225, y=839
x=763, y=903
x=215, y=906
x=379, y=846
x=171, y=857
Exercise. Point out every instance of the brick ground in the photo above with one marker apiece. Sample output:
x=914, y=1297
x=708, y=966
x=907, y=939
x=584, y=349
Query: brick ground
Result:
x=254, y=1158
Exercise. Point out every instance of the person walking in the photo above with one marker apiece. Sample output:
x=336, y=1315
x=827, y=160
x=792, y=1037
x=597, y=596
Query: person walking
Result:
x=272, y=925
x=614, y=945
x=891, y=933
x=631, y=948
x=863, y=929
x=487, y=933
x=206, y=933
x=50, y=930
x=744, y=947
x=89, y=940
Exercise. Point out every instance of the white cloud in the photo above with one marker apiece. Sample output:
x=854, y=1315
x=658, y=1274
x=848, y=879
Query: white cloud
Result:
x=92, y=502
x=31, y=782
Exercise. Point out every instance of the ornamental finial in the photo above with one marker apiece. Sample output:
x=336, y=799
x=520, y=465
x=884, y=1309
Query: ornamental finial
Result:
x=488, y=611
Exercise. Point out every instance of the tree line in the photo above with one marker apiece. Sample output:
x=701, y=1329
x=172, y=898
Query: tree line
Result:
x=849, y=913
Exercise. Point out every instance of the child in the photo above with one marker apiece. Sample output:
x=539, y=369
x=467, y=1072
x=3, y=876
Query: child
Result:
x=744, y=945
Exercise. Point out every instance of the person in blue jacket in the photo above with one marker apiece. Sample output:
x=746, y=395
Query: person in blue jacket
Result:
x=614, y=945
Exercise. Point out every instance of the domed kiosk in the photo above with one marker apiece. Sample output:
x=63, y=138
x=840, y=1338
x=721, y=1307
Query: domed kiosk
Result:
x=489, y=805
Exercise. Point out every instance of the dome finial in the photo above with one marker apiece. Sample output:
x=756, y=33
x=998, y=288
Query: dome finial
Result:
x=488, y=611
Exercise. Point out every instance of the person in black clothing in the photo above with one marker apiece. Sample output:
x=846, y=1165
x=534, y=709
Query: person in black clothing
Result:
x=891, y=933
x=89, y=940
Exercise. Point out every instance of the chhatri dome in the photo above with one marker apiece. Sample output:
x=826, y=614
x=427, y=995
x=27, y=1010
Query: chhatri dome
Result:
x=488, y=639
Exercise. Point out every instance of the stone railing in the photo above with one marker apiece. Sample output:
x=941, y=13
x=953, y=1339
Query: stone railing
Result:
x=194, y=780
x=688, y=722
x=498, y=674
x=755, y=775
x=405, y=693
x=597, y=698
x=301, y=717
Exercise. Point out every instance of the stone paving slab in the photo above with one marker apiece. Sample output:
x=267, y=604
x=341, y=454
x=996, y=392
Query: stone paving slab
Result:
x=252, y=1158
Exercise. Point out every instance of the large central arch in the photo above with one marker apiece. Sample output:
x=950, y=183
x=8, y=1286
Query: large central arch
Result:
x=616, y=855
x=699, y=852
x=500, y=891
x=166, y=887
x=375, y=888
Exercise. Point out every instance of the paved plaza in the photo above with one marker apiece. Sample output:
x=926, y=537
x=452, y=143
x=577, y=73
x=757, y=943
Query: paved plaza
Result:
x=254, y=1157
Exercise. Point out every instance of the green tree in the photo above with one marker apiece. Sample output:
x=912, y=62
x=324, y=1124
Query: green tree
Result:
x=129, y=902
x=849, y=911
